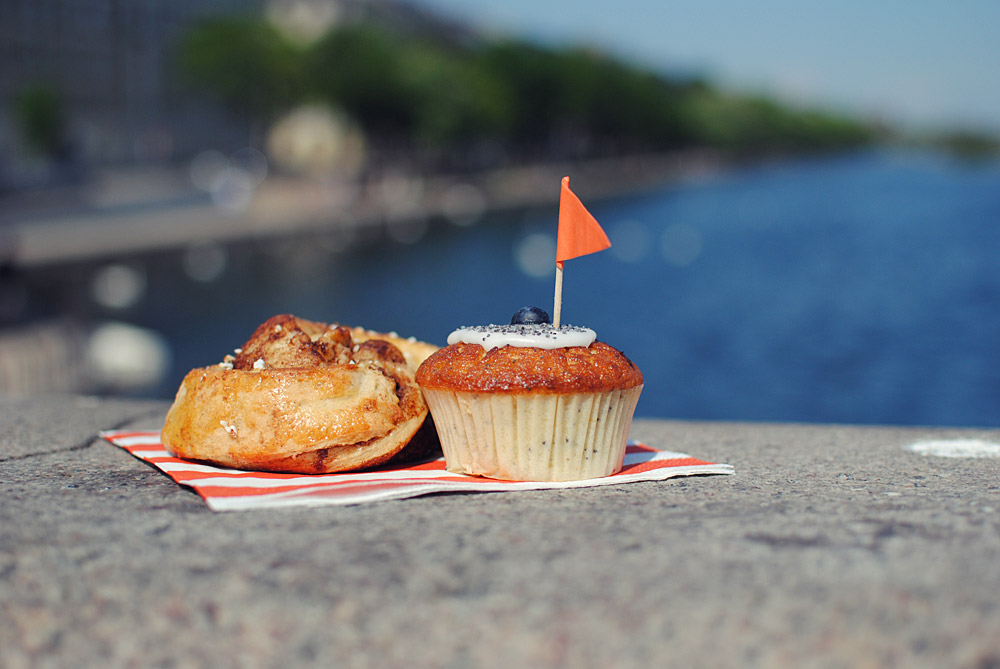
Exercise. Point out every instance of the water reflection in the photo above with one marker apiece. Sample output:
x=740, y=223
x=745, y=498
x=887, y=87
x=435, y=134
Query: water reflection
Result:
x=407, y=231
x=534, y=254
x=205, y=261
x=681, y=244
x=463, y=204
x=230, y=180
x=118, y=286
x=845, y=314
x=629, y=240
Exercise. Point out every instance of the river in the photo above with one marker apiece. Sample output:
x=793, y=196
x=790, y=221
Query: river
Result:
x=855, y=289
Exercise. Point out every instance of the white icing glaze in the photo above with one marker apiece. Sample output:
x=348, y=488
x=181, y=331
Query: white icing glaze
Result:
x=531, y=336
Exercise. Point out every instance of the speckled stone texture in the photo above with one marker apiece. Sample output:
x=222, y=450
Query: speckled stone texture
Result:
x=831, y=546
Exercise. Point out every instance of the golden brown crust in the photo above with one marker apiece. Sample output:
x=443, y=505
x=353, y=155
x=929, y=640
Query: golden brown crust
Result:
x=287, y=341
x=302, y=397
x=414, y=351
x=511, y=369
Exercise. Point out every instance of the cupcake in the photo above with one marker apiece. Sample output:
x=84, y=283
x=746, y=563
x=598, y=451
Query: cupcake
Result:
x=529, y=401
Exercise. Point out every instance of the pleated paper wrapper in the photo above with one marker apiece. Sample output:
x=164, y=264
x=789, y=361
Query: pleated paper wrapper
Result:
x=226, y=489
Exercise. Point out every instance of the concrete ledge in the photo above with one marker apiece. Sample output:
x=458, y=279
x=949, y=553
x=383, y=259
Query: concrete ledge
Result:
x=831, y=546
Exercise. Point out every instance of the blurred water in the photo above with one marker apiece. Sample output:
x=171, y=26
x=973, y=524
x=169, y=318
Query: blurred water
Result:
x=861, y=289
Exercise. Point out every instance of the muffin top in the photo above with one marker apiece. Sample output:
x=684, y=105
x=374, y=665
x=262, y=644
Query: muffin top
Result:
x=469, y=367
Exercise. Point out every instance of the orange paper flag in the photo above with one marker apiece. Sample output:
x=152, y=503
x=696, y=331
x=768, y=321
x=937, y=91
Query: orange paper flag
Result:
x=579, y=232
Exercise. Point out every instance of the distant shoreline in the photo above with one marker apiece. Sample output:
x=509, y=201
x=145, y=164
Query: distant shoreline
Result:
x=112, y=219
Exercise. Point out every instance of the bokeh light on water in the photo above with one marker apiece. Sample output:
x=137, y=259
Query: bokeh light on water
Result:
x=118, y=286
x=630, y=240
x=205, y=261
x=534, y=253
x=229, y=180
x=681, y=244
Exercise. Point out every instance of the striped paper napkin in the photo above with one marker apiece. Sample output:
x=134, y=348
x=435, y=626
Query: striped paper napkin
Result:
x=235, y=490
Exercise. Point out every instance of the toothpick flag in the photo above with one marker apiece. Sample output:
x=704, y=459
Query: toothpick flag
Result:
x=579, y=234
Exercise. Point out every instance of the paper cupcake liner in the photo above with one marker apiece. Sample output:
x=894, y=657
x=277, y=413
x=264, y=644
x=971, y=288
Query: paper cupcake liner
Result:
x=537, y=437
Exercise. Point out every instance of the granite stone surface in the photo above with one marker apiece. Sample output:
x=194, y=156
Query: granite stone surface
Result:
x=831, y=546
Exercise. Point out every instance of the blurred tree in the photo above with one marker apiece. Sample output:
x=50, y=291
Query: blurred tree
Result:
x=41, y=116
x=530, y=76
x=968, y=144
x=751, y=125
x=247, y=62
x=630, y=108
x=457, y=102
x=360, y=68
x=407, y=91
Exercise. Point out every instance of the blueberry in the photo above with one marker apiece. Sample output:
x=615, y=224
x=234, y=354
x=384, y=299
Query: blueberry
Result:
x=526, y=315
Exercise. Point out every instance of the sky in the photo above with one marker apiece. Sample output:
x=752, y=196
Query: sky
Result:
x=921, y=63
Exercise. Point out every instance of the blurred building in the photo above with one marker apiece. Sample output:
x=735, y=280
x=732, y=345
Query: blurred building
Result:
x=98, y=78
x=105, y=68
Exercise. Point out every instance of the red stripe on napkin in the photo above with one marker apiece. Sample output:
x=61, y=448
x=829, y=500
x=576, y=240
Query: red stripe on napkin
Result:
x=231, y=489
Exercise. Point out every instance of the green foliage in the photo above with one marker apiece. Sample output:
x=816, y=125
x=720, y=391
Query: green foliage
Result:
x=528, y=97
x=968, y=144
x=405, y=86
x=754, y=125
x=247, y=63
x=527, y=74
x=40, y=114
x=578, y=93
x=361, y=69
x=455, y=100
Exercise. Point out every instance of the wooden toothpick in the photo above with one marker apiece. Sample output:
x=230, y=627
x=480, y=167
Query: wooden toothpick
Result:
x=557, y=306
